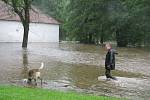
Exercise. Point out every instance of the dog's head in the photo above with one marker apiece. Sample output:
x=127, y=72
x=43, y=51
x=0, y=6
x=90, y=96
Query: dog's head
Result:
x=24, y=81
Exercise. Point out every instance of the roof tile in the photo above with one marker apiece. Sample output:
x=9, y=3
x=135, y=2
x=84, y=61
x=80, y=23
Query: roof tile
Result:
x=6, y=13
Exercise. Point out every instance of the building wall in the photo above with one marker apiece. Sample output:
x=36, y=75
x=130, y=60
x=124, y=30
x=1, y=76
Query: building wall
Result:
x=12, y=31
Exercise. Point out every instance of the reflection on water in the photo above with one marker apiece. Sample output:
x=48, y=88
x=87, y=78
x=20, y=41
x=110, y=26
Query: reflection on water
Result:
x=25, y=63
x=77, y=67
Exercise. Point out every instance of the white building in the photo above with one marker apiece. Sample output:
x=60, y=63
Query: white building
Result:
x=42, y=27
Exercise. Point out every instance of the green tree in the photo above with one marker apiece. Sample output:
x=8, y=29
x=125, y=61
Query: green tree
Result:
x=94, y=21
x=131, y=25
x=88, y=21
x=22, y=9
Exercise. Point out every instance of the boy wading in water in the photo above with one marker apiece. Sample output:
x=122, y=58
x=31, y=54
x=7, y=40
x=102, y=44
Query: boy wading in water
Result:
x=109, y=61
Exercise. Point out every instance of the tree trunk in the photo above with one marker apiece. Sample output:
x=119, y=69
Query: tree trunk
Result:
x=102, y=35
x=26, y=23
x=121, y=39
x=25, y=36
x=90, y=38
x=23, y=11
x=102, y=39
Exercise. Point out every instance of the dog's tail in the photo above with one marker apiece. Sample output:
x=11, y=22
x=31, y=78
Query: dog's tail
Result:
x=42, y=65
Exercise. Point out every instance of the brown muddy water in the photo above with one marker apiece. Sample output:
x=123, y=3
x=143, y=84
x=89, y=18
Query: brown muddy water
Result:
x=76, y=67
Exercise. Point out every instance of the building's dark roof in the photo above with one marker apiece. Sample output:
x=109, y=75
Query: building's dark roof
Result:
x=36, y=16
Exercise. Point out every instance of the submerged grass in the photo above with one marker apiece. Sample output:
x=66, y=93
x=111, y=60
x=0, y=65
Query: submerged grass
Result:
x=21, y=93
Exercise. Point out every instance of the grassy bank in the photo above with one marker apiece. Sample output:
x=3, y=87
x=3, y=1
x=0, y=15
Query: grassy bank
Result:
x=20, y=93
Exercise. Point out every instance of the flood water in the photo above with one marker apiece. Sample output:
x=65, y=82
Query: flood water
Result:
x=76, y=67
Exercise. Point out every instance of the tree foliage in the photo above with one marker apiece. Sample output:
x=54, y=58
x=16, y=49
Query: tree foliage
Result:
x=134, y=27
x=88, y=21
x=95, y=21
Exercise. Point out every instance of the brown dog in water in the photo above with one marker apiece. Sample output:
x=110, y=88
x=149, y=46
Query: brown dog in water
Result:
x=35, y=74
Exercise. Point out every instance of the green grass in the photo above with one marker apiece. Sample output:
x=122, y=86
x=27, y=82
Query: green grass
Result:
x=21, y=93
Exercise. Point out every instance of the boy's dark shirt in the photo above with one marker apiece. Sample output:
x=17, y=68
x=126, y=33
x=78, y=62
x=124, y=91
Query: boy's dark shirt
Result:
x=110, y=60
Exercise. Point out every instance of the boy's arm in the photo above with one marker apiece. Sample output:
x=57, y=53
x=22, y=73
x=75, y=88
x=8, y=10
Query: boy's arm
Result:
x=111, y=57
